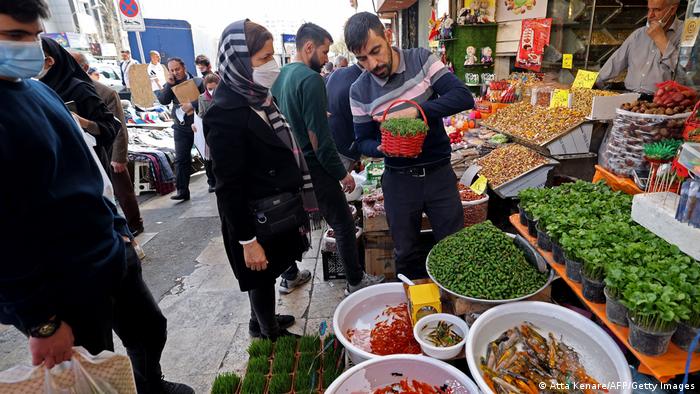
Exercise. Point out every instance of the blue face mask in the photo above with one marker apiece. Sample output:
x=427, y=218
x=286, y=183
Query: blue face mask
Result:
x=21, y=59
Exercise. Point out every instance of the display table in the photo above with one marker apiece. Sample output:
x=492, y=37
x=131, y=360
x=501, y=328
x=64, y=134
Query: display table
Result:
x=615, y=182
x=664, y=367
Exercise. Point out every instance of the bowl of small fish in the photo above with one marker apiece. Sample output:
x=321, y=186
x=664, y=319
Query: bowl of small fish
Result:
x=403, y=374
x=536, y=347
x=441, y=335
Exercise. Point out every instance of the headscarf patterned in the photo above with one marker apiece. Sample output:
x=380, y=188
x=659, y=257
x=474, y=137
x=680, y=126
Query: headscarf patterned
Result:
x=236, y=71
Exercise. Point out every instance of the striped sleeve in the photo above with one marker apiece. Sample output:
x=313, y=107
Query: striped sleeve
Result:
x=361, y=113
x=433, y=68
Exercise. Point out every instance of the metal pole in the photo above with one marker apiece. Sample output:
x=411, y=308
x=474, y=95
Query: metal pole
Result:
x=590, y=35
x=138, y=40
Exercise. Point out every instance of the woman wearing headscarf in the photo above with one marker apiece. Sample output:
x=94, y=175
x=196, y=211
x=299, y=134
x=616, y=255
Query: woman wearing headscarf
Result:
x=65, y=76
x=255, y=158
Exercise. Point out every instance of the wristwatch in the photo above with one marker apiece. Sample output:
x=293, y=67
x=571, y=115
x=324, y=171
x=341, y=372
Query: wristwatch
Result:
x=45, y=330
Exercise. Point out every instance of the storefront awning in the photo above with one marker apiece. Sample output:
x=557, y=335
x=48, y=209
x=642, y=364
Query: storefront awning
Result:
x=393, y=5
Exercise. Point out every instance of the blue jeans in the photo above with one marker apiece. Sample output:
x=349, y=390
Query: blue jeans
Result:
x=406, y=197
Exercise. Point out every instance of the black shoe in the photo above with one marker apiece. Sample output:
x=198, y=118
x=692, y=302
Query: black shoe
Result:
x=180, y=197
x=284, y=321
x=282, y=333
x=175, y=388
x=212, y=189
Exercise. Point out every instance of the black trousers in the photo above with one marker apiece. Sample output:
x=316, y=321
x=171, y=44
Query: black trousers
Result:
x=262, y=309
x=134, y=315
x=210, y=173
x=336, y=211
x=184, y=140
x=406, y=197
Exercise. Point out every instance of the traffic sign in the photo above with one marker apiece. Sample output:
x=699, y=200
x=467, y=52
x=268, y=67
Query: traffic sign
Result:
x=130, y=15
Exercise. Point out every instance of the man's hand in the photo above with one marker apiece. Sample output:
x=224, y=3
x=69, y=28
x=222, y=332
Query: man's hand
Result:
x=84, y=123
x=254, y=256
x=171, y=79
x=411, y=112
x=54, y=349
x=188, y=108
x=348, y=183
x=118, y=167
x=657, y=33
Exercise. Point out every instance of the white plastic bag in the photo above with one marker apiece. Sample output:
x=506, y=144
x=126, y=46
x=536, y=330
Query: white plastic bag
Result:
x=107, y=373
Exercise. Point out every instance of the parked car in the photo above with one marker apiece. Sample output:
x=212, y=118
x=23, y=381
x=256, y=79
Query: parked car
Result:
x=109, y=75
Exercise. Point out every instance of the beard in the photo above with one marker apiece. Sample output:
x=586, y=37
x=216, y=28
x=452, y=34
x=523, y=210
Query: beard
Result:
x=315, y=63
x=383, y=71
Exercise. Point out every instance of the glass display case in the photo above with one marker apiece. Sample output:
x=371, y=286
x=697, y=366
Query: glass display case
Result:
x=688, y=71
x=591, y=30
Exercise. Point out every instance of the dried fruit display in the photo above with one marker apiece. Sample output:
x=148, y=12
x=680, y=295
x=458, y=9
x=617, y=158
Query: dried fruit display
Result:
x=583, y=98
x=534, y=124
x=509, y=162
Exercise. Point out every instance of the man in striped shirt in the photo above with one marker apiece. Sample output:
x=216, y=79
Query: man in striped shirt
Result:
x=411, y=186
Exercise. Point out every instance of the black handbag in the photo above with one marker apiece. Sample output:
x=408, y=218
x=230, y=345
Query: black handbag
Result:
x=279, y=214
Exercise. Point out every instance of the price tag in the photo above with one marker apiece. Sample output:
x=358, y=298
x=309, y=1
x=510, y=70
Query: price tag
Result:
x=560, y=98
x=585, y=79
x=568, y=61
x=479, y=185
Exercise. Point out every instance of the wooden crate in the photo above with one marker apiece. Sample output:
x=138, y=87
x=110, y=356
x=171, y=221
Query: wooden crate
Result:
x=380, y=262
x=374, y=224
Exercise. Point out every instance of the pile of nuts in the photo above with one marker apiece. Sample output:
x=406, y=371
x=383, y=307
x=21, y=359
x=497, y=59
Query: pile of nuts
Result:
x=582, y=100
x=509, y=162
x=534, y=124
x=645, y=107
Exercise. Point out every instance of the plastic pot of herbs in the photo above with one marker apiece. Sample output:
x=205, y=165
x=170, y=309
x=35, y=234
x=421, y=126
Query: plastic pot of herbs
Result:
x=280, y=384
x=649, y=336
x=615, y=310
x=543, y=240
x=532, y=227
x=403, y=137
x=573, y=268
x=592, y=277
x=557, y=253
x=225, y=383
x=522, y=215
x=684, y=335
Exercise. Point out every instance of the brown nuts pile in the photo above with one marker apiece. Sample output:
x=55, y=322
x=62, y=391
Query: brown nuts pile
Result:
x=646, y=107
x=509, y=162
x=534, y=124
x=582, y=100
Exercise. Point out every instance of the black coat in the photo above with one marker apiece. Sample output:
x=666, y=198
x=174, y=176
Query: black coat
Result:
x=250, y=162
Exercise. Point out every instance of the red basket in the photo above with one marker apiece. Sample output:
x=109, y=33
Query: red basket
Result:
x=692, y=123
x=402, y=146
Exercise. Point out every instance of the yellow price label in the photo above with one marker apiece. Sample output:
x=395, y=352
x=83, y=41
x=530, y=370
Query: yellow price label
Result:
x=479, y=185
x=585, y=79
x=568, y=61
x=560, y=98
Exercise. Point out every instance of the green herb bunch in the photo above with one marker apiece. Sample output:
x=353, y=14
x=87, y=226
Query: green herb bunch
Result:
x=662, y=150
x=280, y=384
x=260, y=348
x=482, y=262
x=405, y=127
x=225, y=383
x=253, y=383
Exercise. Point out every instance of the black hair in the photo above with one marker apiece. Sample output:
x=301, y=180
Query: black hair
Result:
x=312, y=32
x=357, y=30
x=25, y=11
x=176, y=59
x=126, y=51
x=202, y=60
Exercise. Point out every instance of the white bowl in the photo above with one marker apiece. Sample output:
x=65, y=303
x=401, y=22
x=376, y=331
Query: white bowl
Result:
x=598, y=353
x=360, y=310
x=442, y=353
x=381, y=372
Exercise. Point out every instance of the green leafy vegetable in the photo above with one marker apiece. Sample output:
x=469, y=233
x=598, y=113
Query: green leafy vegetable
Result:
x=225, y=383
x=405, y=127
x=253, y=383
x=260, y=348
x=280, y=384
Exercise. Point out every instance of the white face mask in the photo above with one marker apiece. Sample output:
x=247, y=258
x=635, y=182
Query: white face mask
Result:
x=267, y=74
x=21, y=59
x=211, y=92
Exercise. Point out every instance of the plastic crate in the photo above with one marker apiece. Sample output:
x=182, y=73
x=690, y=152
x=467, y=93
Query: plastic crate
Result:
x=332, y=263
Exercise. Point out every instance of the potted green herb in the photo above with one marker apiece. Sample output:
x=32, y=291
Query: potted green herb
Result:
x=259, y=365
x=225, y=383
x=304, y=380
x=543, y=240
x=592, y=277
x=283, y=362
x=260, y=348
x=309, y=343
x=616, y=279
x=403, y=137
x=253, y=383
x=654, y=313
x=689, y=328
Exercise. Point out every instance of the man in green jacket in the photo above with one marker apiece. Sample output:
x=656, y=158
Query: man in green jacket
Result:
x=301, y=95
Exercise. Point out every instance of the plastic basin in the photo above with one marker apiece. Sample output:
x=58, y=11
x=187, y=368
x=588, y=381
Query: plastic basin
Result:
x=381, y=372
x=459, y=326
x=598, y=353
x=360, y=310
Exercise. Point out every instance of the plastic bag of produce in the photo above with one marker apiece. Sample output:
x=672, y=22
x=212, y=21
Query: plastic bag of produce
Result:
x=107, y=373
x=622, y=151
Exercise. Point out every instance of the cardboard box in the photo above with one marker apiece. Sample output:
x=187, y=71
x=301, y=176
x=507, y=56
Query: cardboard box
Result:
x=380, y=262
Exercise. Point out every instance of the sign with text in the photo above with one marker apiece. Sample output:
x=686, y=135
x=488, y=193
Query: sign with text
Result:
x=130, y=15
x=560, y=98
x=585, y=79
x=567, y=61
x=690, y=32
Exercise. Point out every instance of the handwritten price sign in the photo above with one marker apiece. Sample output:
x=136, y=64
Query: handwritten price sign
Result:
x=560, y=98
x=568, y=61
x=585, y=79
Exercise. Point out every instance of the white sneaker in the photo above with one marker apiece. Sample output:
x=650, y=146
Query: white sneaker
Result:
x=288, y=286
x=367, y=280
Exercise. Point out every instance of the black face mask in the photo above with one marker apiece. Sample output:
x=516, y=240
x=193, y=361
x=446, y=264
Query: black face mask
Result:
x=316, y=63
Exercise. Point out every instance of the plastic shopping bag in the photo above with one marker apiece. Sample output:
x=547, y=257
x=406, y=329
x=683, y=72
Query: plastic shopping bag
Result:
x=107, y=373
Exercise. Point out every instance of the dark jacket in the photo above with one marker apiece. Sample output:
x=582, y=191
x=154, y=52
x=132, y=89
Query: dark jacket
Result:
x=340, y=118
x=167, y=96
x=250, y=162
